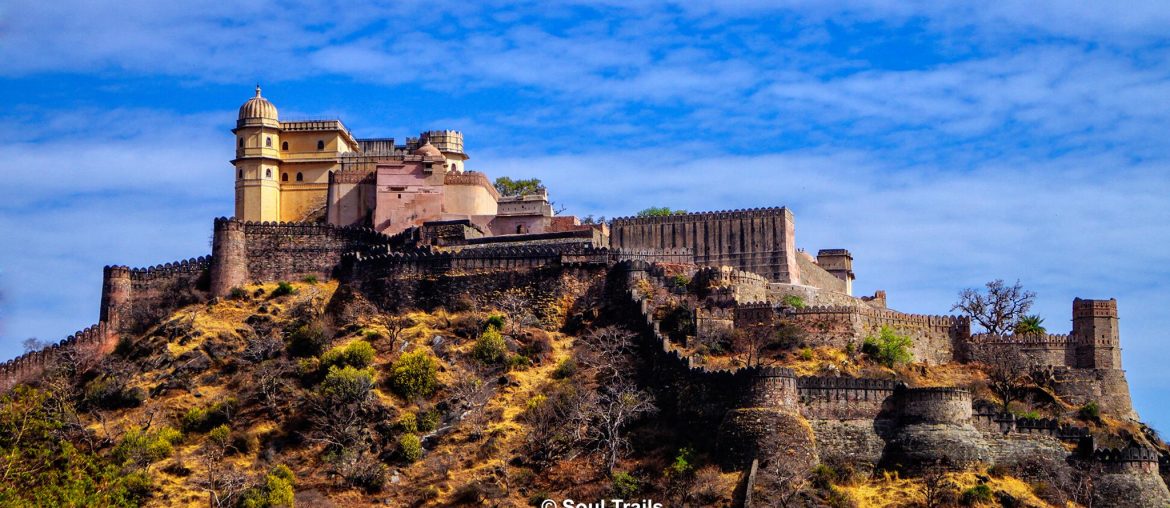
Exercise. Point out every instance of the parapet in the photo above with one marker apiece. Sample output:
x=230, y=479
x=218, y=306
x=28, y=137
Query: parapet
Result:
x=934, y=405
x=1094, y=308
x=703, y=216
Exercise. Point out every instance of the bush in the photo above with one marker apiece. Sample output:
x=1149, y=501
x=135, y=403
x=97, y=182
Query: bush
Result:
x=978, y=494
x=110, y=392
x=307, y=340
x=680, y=280
x=683, y=465
x=139, y=448
x=806, y=354
x=199, y=419
x=518, y=362
x=277, y=490
x=311, y=279
x=494, y=321
x=793, y=301
x=359, y=354
x=625, y=485
x=889, y=348
x=238, y=293
x=347, y=384
x=823, y=476
x=429, y=420
x=410, y=447
x=408, y=423
x=1090, y=412
x=415, y=374
x=282, y=289
x=565, y=369
x=489, y=347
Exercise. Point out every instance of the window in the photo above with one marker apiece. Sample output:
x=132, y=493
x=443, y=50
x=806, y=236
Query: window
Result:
x=268, y=141
x=241, y=143
x=284, y=146
x=300, y=177
x=519, y=228
x=240, y=174
x=267, y=173
x=320, y=144
x=284, y=177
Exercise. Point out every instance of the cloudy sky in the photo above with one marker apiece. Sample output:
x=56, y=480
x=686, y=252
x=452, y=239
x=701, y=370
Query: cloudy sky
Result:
x=945, y=143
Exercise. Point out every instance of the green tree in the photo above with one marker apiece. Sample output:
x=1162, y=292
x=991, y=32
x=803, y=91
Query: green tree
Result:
x=509, y=187
x=1030, y=325
x=888, y=348
x=415, y=374
x=660, y=211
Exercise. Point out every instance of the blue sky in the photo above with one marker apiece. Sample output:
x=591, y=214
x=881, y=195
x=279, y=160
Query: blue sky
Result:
x=944, y=143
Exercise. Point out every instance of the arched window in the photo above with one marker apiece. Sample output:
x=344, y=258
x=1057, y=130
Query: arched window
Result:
x=240, y=174
x=300, y=177
x=268, y=141
x=284, y=146
x=519, y=228
x=267, y=173
x=241, y=143
x=320, y=144
x=284, y=177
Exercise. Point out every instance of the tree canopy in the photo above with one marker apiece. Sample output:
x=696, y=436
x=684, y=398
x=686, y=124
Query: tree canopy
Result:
x=509, y=187
x=660, y=211
x=999, y=309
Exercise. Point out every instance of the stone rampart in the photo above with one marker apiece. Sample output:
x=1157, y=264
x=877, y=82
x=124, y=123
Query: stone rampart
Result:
x=811, y=274
x=731, y=284
x=98, y=338
x=757, y=240
x=844, y=398
x=934, y=405
x=249, y=252
x=135, y=298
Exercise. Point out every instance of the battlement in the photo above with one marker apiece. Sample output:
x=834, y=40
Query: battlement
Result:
x=28, y=365
x=703, y=216
x=1128, y=454
x=1094, y=308
x=471, y=178
x=186, y=266
x=1044, y=339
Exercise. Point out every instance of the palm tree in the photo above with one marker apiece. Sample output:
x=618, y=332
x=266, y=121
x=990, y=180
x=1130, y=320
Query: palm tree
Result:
x=1030, y=325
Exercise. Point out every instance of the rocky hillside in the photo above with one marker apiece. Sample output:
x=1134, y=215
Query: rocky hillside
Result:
x=304, y=394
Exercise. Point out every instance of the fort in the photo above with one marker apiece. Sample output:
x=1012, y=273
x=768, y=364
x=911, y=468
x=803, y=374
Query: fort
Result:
x=410, y=226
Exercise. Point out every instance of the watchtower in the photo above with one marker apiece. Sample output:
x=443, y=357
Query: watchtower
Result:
x=1095, y=334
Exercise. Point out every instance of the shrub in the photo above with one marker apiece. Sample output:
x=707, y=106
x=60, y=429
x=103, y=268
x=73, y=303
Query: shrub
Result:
x=277, y=490
x=518, y=362
x=199, y=419
x=410, y=447
x=625, y=485
x=238, y=293
x=139, y=448
x=823, y=476
x=980, y=493
x=680, y=280
x=889, y=348
x=806, y=354
x=110, y=392
x=359, y=354
x=1090, y=412
x=311, y=279
x=489, y=347
x=283, y=288
x=565, y=369
x=683, y=464
x=429, y=420
x=307, y=340
x=347, y=384
x=415, y=374
x=408, y=423
x=793, y=301
x=494, y=321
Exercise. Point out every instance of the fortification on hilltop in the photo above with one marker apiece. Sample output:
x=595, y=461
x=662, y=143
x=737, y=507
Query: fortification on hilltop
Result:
x=410, y=226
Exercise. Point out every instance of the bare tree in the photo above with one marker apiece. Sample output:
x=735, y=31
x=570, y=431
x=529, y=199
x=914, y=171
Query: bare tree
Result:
x=752, y=341
x=1008, y=372
x=271, y=386
x=222, y=482
x=999, y=309
x=395, y=326
x=33, y=344
x=937, y=488
x=519, y=311
x=618, y=407
x=609, y=350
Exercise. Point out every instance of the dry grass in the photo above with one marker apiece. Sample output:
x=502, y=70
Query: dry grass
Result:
x=892, y=491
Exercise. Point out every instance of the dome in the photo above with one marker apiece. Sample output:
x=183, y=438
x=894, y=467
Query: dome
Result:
x=258, y=107
x=429, y=150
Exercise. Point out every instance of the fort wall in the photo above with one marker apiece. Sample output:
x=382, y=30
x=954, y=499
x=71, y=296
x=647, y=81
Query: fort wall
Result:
x=135, y=298
x=757, y=240
x=97, y=339
x=812, y=274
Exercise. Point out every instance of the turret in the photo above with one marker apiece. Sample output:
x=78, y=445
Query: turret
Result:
x=229, y=264
x=450, y=143
x=1095, y=333
x=257, y=162
x=839, y=263
x=116, y=286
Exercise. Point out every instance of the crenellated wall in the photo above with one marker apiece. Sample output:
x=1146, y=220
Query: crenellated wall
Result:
x=134, y=298
x=247, y=252
x=758, y=240
x=99, y=339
